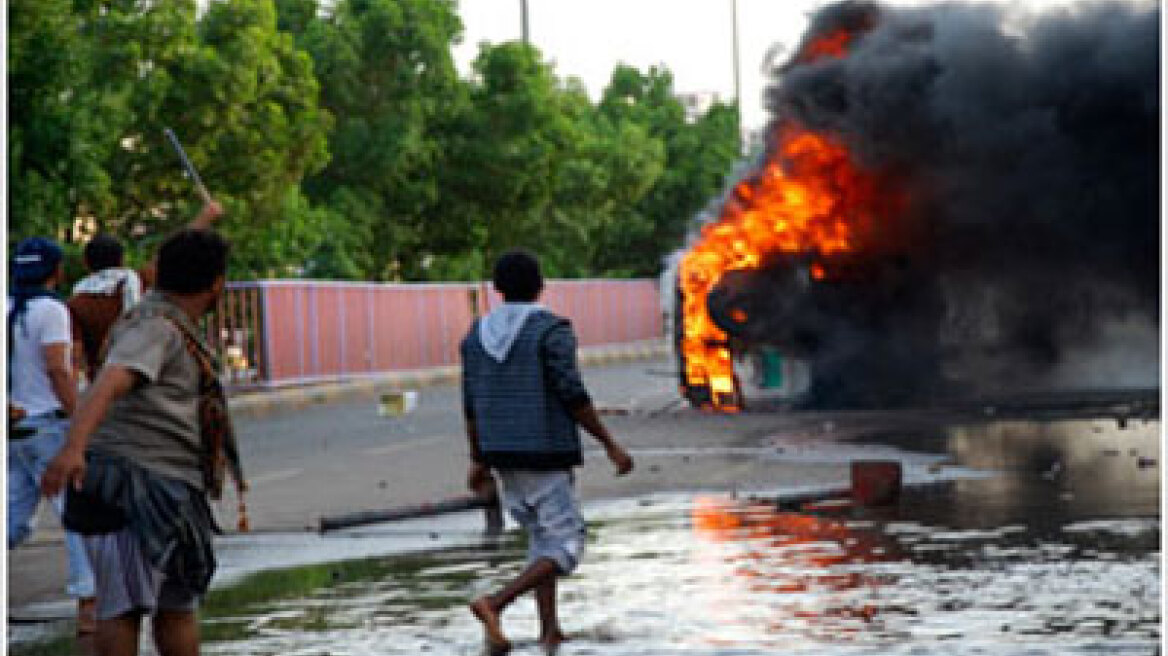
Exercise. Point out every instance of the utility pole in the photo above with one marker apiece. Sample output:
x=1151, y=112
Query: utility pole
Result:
x=526, y=28
x=737, y=73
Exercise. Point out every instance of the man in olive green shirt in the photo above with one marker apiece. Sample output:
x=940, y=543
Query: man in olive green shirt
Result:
x=143, y=427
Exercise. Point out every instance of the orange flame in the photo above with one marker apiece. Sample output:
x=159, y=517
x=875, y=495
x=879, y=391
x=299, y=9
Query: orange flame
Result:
x=834, y=44
x=808, y=198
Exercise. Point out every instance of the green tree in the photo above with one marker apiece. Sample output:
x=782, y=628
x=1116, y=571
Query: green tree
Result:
x=602, y=189
x=343, y=143
x=699, y=155
x=269, y=130
x=506, y=152
x=612, y=164
x=388, y=77
x=57, y=141
x=295, y=16
x=97, y=81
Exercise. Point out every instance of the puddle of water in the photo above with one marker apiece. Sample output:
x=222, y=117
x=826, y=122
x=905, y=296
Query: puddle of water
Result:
x=1047, y=473
x=737, y=578
x=720, y=576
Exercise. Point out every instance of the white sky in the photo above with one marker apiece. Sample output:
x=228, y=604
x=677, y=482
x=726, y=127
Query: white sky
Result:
x=693, y=38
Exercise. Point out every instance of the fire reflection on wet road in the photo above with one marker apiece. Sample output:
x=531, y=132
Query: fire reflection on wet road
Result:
x=1023, y=562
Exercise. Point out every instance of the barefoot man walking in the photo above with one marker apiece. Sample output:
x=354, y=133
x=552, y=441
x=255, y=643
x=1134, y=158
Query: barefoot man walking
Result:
x=523, y=400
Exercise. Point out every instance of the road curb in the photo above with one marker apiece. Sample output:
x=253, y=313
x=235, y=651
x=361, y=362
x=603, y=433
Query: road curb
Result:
x=259, y=404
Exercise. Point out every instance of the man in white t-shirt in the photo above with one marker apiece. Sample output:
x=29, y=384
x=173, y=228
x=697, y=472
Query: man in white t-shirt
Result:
x=42, y=394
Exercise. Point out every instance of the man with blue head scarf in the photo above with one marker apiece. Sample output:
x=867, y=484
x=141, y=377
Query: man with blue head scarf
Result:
x=42, y=394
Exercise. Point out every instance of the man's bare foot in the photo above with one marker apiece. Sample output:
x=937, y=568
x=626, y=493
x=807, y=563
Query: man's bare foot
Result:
x=492, y=628
x=551, y=642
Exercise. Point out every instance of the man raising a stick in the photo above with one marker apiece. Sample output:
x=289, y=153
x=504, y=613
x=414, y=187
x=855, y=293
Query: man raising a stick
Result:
x=150, y=443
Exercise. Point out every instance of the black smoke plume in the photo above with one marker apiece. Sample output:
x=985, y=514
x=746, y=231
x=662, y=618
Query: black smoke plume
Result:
x=1028, y=146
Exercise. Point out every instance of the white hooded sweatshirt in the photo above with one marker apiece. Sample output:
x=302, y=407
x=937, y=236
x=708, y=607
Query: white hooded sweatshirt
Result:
x=498, y=330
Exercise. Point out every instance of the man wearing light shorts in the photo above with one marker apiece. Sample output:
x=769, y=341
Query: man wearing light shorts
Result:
x=523, y=400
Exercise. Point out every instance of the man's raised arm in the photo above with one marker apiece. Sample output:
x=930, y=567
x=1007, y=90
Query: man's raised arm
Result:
x=207, y=216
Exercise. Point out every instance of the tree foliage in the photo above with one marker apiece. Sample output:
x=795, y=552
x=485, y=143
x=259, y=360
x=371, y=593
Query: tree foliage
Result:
x=388, y=77
x=342, y=141
x=56, y=146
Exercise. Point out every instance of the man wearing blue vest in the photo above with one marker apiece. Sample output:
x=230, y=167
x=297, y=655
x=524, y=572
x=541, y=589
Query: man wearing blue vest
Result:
x=523, y=400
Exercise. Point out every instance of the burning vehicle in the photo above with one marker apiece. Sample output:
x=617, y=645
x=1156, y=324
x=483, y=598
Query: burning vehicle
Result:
x=952, y=199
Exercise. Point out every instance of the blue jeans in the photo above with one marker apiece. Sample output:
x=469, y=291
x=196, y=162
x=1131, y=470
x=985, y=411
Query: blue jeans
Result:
x=27, y=460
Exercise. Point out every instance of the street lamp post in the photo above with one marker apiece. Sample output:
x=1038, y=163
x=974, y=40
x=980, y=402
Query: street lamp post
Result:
x=737, y=73
x=523, y=17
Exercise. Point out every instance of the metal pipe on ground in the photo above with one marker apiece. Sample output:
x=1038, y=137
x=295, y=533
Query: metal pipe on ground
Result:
x=492, y=513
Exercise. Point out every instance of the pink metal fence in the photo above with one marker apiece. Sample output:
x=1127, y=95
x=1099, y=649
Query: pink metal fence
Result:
x=283, y=332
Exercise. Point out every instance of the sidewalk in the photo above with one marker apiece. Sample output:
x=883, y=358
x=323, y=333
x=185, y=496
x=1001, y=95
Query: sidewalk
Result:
x=262, y=403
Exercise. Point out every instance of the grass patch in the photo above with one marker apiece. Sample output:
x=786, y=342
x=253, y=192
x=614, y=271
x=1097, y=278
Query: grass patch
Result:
x=298, y=582
x=227, y=613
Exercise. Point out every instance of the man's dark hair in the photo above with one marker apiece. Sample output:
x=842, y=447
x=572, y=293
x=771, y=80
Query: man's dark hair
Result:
x=103, y=252
x=190, y=261
x=517, y=277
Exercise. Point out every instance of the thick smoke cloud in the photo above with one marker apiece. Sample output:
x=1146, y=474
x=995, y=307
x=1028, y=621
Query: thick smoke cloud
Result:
x=1029, y=146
